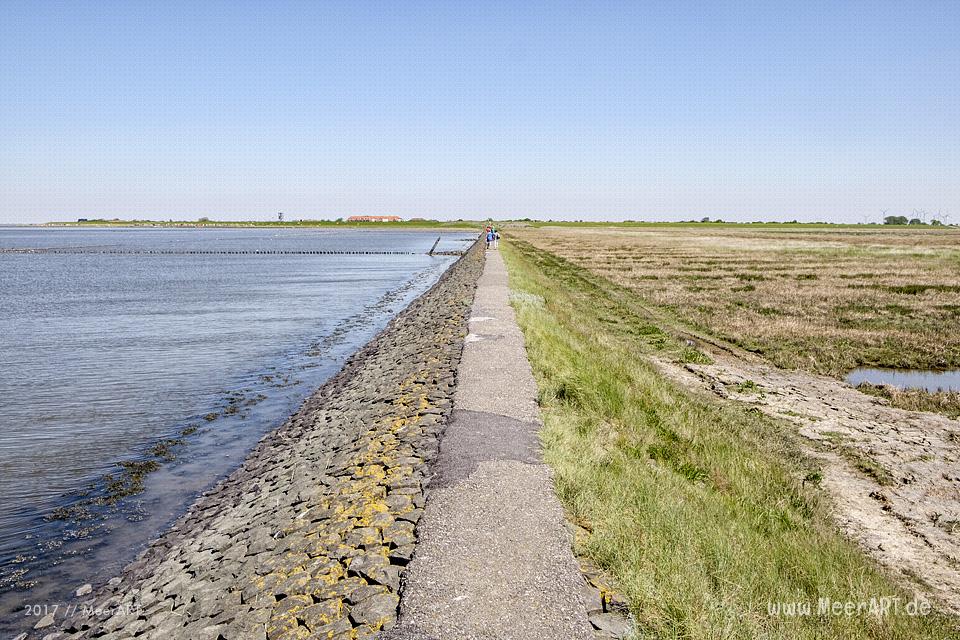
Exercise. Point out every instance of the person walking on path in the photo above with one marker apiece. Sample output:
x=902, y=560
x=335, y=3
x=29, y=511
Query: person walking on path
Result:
x=490, y=237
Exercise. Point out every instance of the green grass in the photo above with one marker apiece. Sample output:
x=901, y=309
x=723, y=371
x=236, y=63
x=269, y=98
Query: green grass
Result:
x=916, y=289
x=703, y=511
x=748, y=387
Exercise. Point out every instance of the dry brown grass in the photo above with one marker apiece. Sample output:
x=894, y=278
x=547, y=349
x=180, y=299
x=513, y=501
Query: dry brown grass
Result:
x=945, y=402
x=823, y=300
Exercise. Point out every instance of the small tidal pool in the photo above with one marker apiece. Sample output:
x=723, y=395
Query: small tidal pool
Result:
x=907, y=378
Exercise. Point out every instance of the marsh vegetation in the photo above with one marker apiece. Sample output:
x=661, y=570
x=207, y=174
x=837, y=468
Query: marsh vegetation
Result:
x=820, y=299
x=705, y=511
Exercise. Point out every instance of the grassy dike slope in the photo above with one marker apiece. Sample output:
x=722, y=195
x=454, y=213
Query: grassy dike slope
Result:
x=698, y=508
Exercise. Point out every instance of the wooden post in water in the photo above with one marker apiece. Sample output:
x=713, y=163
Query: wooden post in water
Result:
x=434, y=246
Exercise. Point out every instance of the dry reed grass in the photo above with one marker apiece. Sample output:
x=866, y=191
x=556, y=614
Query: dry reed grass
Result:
x=819, y=299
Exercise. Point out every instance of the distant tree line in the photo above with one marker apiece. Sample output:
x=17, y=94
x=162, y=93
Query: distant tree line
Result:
x=903, y=220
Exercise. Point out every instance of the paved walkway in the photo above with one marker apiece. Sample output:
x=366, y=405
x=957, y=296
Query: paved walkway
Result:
x=493, y=558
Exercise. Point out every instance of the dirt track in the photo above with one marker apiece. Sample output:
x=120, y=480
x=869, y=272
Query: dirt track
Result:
x=893, y=475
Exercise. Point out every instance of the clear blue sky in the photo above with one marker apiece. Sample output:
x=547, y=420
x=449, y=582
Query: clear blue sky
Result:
x=643, y=110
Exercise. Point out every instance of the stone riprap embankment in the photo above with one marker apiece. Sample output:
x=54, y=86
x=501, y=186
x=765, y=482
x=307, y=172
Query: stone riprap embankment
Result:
x=310, y=536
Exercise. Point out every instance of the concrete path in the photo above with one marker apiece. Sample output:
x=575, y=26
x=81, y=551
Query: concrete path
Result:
x=493, y=558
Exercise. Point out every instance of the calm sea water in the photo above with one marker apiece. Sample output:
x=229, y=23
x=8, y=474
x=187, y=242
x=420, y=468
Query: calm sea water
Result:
x=102, y=356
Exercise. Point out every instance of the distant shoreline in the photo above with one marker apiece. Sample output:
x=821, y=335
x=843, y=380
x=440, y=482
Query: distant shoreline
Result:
x=458, y=225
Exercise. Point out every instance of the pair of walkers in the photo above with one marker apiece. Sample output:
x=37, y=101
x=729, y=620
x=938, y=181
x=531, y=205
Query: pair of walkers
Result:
x=493, y=237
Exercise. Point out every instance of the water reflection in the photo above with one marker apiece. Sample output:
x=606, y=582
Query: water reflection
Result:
x=907, y=378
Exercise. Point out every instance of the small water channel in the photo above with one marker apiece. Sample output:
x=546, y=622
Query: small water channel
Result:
x=907, y=378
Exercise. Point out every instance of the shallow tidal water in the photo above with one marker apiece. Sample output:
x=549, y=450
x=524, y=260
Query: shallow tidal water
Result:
x=105, y=356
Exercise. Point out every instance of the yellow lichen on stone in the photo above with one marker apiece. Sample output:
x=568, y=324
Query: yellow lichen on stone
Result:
x=368, y=510
x=374, y=472
x=369, y=490
x=284, y=615
x=396, y=473
x=326, y=612
x=323, y=541
x=331, y=576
